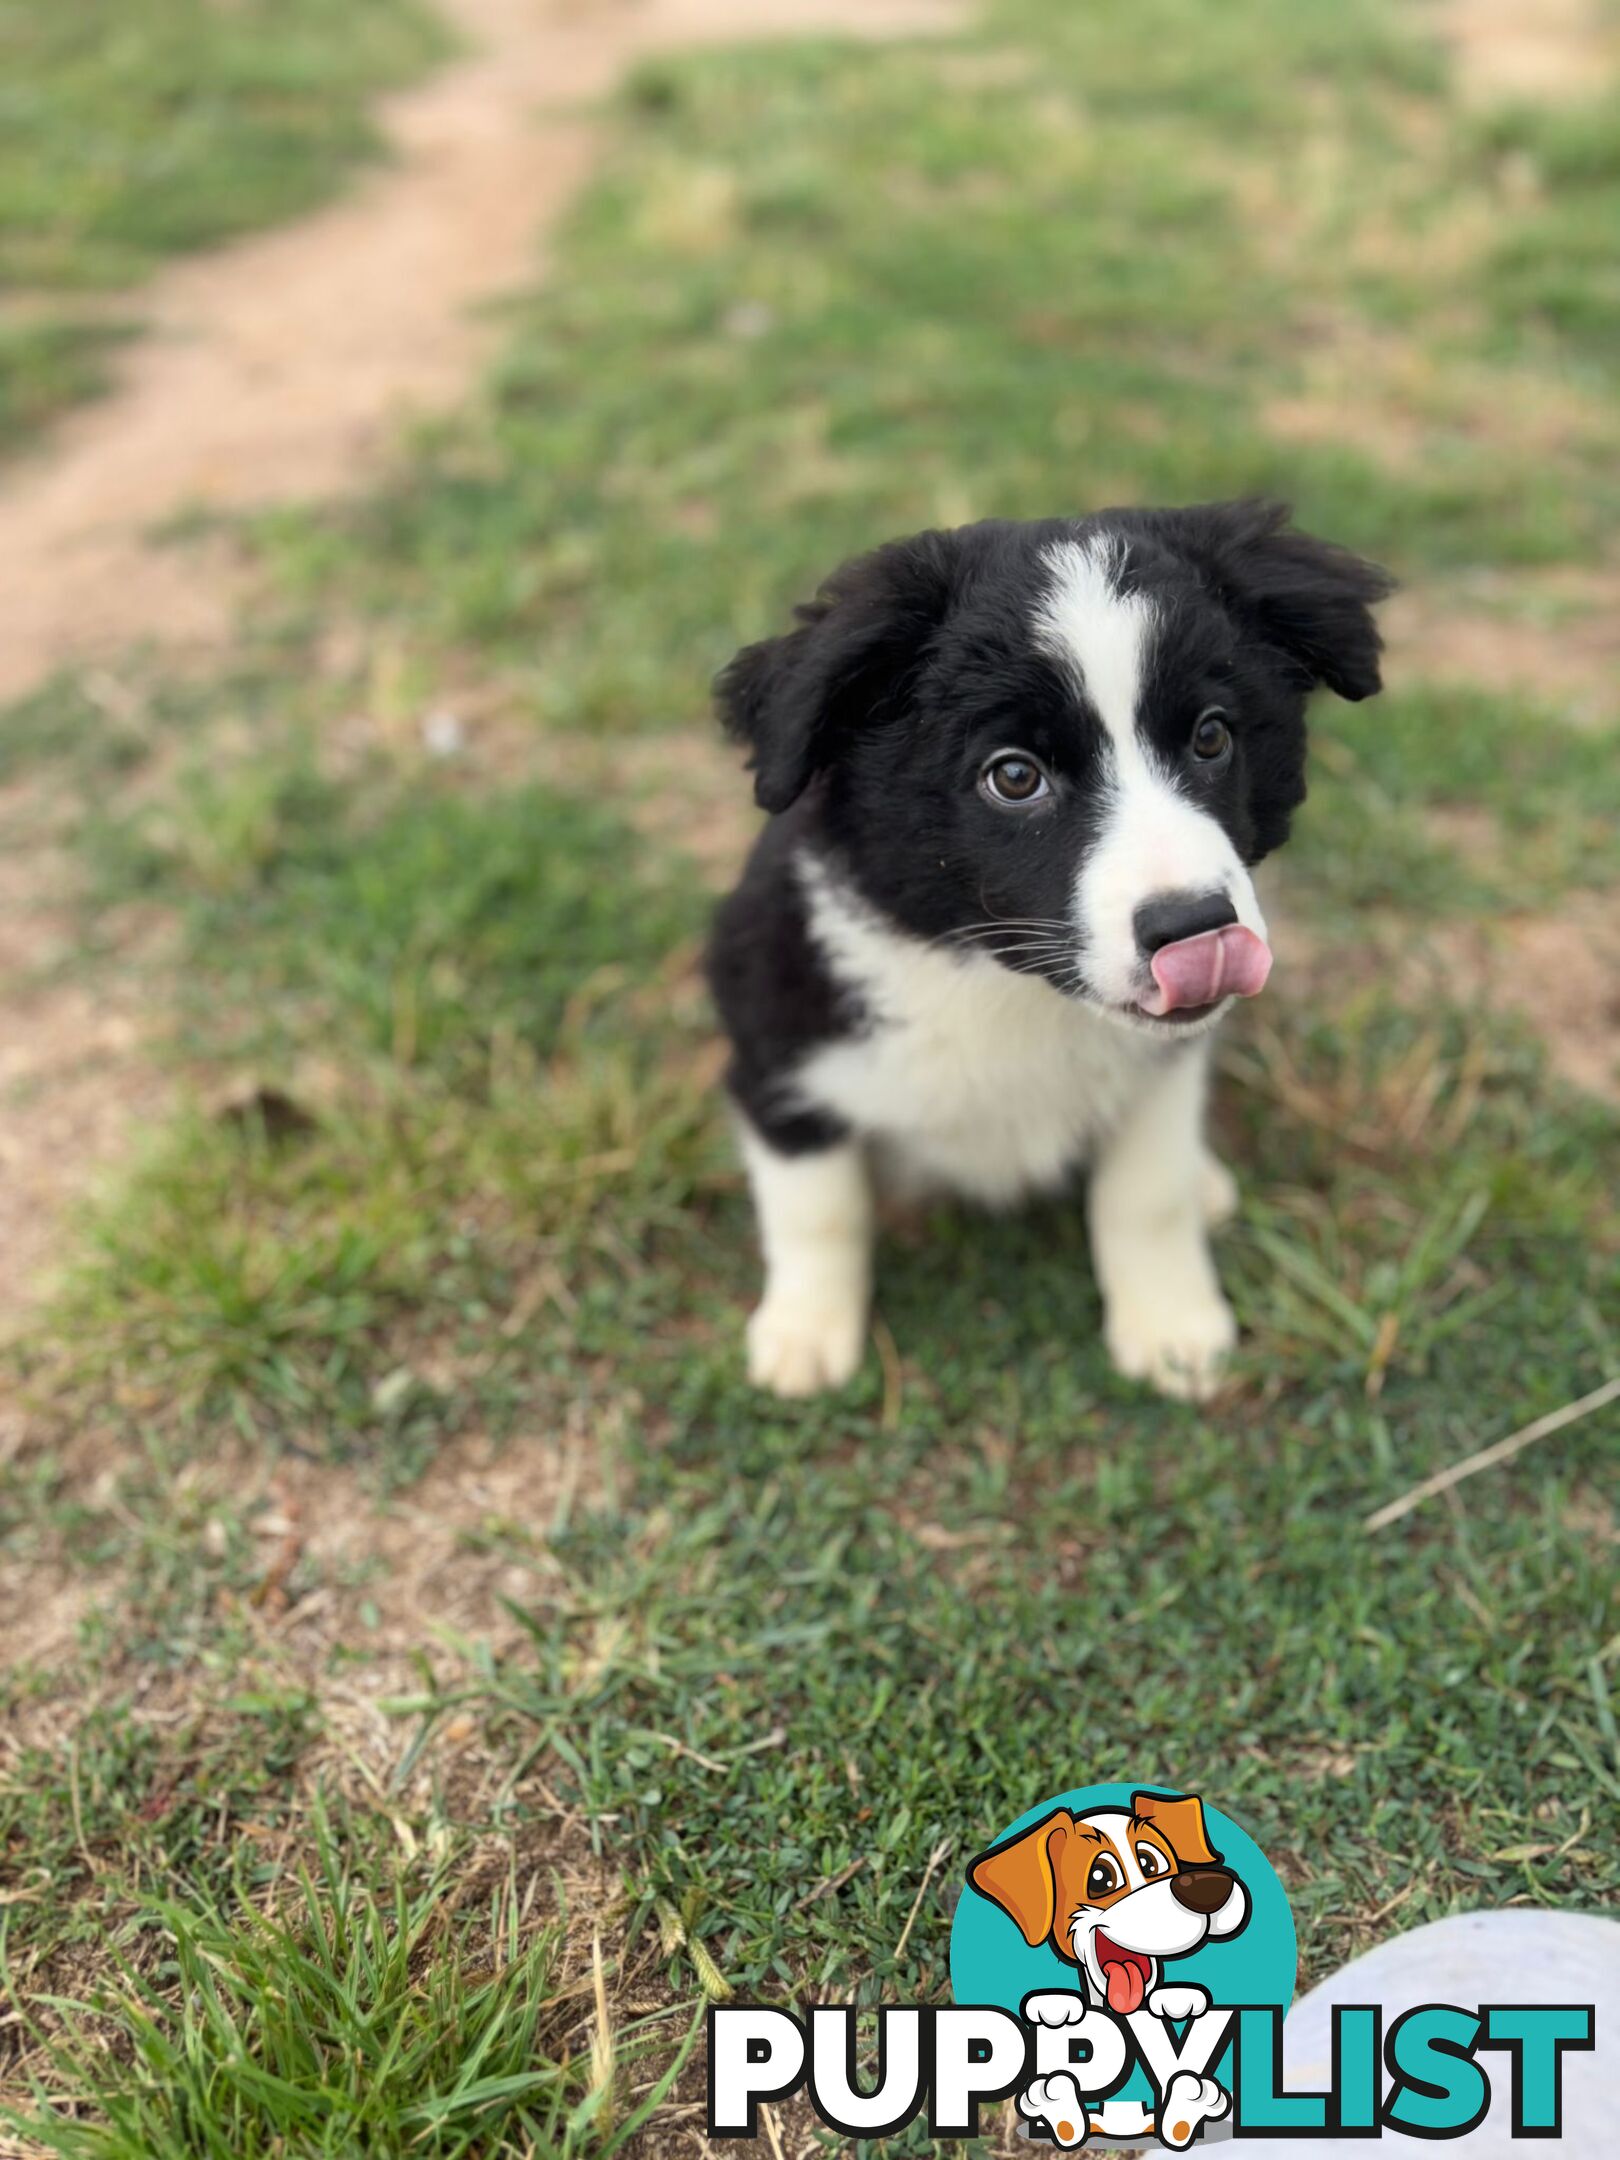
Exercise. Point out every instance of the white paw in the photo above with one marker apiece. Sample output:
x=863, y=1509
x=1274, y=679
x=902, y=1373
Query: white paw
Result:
x=1189, y=2101
x=796, y=1348
x=1056, y=2101
x=1178, y=2002
x=1054, y=2009
x=1180, y=1350
x=1217, y=1192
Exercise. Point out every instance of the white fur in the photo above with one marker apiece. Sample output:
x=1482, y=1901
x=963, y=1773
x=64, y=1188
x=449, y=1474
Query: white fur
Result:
x=972, y=1079
x=1103, y=636
x=1153, y=839
x=815, y=1220
x=1165, y=1318
x=977, y=1080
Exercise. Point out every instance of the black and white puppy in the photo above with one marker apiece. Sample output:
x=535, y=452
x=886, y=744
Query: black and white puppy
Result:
x=1019, y=775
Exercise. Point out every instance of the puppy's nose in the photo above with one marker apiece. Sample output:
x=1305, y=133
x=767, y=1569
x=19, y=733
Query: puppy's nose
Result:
x=1170, y=917
x=1203, y=1889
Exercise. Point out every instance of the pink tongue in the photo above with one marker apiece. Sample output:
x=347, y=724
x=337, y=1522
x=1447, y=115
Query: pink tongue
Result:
x=1196, y=971
x=1125, y=1989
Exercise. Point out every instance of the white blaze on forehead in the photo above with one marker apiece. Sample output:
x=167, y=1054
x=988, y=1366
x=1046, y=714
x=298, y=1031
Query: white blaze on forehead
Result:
x=1101, y=636
x=1152, y=838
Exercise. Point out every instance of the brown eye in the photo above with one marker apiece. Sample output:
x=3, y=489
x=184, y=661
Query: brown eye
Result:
x=1151, y=1861
x=1103, y=1879
x=1211, y=738
x=1012, y=778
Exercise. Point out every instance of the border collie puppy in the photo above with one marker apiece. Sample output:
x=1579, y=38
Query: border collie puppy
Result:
x=1019, y=775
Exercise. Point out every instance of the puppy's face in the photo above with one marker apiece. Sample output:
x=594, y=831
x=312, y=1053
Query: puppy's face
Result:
x=1117, y=1891
x=1065, y=745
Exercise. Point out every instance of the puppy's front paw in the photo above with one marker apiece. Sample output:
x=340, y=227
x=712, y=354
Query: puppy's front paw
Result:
x=797, y=1348
x=1066, y=2007
x=1056, y=2101
x=1180, y=1350
x=1178, y=2002
x=1189, y=2101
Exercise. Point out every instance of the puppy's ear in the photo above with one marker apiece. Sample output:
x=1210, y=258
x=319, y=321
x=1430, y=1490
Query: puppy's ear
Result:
x=1021, y=1877
x=795, y=699
x=1182, y=1823
x=1311, y=600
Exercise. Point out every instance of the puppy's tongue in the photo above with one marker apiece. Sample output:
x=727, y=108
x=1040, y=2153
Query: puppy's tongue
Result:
x=1231, y=962
x=1125, y=1986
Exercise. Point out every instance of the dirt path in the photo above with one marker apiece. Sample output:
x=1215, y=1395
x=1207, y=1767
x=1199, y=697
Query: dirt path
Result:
x=1549, y=51
x=281, y=367
x=277, y=368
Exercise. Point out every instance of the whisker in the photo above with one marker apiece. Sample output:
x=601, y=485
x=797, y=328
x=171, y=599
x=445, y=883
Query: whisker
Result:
x=977, y=932
x=1029, y=938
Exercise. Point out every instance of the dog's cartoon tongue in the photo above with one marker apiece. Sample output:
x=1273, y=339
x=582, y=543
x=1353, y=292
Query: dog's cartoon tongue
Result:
x=1231, y=962
x=1126, y=1985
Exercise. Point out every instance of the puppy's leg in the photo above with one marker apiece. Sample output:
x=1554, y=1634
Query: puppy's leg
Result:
x=815, y=1223
x=1166, y=1319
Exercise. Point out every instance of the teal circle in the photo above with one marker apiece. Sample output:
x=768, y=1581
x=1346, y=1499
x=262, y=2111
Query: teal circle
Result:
x=992, y=1963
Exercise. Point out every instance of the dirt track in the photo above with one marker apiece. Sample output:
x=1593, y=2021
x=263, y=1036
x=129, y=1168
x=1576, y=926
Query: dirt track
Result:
x=282, y=366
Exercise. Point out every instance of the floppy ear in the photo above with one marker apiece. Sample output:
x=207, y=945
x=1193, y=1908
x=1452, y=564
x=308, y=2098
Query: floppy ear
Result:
x=1182, y=1822
x=1021, y=1877
x=1308, y=598
x=793, y=699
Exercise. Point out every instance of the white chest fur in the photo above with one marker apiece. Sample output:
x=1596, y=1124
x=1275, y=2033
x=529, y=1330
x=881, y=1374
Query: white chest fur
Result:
x=969, y=1076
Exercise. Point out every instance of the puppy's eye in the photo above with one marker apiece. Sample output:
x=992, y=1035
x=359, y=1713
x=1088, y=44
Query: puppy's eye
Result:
x=1211, y=737
x=1103, y=1879
x=1151, y=1861
x=1014, y=779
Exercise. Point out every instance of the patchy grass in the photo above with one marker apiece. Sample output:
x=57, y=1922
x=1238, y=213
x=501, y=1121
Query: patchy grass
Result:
x=129, y=133
x=347, y=2017
x=471, y=1186
x=1550, y=275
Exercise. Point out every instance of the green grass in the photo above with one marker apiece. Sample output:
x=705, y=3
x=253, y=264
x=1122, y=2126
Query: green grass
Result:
x=350, y=2018
x=131, y=130
x=759, y=1664
x=1551, y=274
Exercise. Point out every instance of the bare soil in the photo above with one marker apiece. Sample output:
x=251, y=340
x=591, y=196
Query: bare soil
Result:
x=1551, y=635
x=1552, y=51
x=282, y=367
x=1558, y=969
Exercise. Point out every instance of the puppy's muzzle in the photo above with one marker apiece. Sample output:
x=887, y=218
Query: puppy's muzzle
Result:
x=1202, y=1890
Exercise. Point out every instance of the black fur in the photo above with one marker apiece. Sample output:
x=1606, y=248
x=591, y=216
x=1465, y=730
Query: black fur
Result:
x=870, y=721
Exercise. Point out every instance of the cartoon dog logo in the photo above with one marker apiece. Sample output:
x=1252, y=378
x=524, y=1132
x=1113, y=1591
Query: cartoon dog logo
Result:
x=1117, y=1892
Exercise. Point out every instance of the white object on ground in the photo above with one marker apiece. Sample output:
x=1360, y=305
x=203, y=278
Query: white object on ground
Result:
x=1515, y=1956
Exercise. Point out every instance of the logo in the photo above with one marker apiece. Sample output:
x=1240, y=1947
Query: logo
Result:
x=1123, y=1959
x=1120, y=1924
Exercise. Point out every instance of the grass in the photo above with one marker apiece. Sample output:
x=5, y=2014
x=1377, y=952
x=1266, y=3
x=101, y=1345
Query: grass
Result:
x=392, y=1435
x=132, y=133
x=345, y=2020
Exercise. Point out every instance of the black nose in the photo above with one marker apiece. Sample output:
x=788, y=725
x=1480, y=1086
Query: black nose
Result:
x=1177, y=915
x=1202, y=1890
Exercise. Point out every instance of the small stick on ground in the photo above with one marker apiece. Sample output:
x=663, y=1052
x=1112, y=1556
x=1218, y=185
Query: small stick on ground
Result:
x=934, y=1858
x=894, y=1383
x=1499, y=1451
x=771, y=2130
